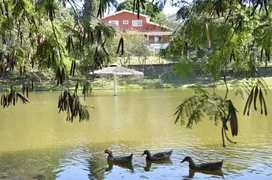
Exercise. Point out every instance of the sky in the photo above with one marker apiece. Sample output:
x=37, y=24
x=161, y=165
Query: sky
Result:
x=168, y=10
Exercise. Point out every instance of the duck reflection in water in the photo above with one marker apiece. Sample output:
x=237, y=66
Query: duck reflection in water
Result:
x=127, y=165
x=149, y=164
x=214, y=173
x=121, y=161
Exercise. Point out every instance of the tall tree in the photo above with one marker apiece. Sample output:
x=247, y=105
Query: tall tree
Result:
x=218, y=38
x=42, y=34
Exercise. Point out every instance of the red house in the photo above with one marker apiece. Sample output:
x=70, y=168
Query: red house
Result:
x=127, y=20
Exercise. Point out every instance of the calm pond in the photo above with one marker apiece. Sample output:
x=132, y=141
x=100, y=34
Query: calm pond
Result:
x=38, y=143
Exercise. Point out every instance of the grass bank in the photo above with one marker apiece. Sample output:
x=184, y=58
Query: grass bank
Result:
x=151, y=80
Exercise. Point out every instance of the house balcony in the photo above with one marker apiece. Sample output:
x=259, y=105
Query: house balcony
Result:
x=158, y=46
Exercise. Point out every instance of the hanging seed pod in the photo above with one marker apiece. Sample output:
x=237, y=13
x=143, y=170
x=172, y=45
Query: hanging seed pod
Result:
x=68, y=44
x=84, y=91
x=21, y=38
x=74, y=68
x=1, y=102
x=248, y=101
x=138, y=8
x=14, y=101
x=4, y=101
x=267, y=55
x=58, y=76
x=63, y=75
x=255, y=97
x=24, y=100
x=105, y=51
x=27, y=91
x=70, y=104
x=32, y=62
x=71, y=69
x=32, y=86
x=264, y=103
x=120, y=46
x=261, y=100
x=99, y=36
x=261, y=56
x=75, y=92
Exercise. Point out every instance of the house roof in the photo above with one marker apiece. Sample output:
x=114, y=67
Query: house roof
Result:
x=147, y=17
x=122, y=11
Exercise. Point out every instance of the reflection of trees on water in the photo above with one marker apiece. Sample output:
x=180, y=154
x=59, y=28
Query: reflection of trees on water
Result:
x=29, y=164
x=127, y=165
x=96, y=167
x=214, y=173
x=149, y=164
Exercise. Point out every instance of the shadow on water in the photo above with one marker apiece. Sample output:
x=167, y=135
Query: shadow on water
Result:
x=127, y=165
x=215, y=173
x=149, y=164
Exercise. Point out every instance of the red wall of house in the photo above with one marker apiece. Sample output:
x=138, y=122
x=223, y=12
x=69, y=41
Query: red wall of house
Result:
x=129, y=16
x=164, y=38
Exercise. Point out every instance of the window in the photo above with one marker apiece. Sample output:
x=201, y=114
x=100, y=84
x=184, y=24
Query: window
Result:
x=157, y=39
x=125, y=21
x=114, y=22
x=137, y=23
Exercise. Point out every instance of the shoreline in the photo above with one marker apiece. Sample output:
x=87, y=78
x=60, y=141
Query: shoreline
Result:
x=101, y=84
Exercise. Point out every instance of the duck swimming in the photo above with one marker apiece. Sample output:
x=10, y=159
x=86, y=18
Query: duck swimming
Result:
x=157, y=156
x=210, y=166
x=118, y=159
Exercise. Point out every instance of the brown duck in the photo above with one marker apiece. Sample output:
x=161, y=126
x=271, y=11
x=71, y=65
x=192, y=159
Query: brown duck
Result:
x=210, y=166
x=118, y=159
x=161, y=156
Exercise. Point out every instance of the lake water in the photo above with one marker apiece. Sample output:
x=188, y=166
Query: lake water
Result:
x=38, y=143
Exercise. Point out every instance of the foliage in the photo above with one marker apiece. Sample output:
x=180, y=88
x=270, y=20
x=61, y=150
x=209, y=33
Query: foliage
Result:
x=220, y=38
x=153, y=10
x=44, y=34
x=71, y=104
x=12, y=98
x=135, y=45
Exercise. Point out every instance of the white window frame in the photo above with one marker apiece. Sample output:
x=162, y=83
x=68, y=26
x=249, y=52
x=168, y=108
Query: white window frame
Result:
x=125, y=21
x=114, y=22
x=137, y=23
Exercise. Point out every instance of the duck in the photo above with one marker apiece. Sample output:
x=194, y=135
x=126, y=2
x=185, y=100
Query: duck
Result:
x=158, y=156
x=117, y=159
x=210, y=166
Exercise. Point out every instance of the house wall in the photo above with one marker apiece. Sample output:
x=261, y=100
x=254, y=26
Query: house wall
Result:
x=129, y=16
x=163, y=38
